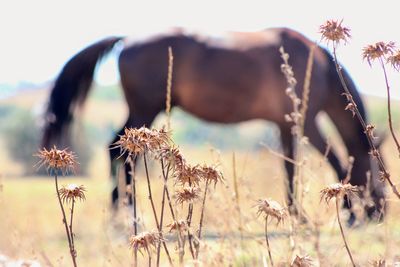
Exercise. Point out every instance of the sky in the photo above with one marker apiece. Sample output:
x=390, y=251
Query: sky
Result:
x=38, y=37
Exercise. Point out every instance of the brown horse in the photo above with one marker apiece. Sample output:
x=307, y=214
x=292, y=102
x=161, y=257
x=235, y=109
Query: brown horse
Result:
x=220, y=80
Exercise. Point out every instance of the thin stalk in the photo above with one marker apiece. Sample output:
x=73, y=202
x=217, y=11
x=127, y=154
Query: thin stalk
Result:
x=70, y=224
x=149, y=258
x=368, y=133
x=342, y=232
x=201, y=219
x=189, y=222
x=180, y=239
x=162, y=215
x=266, y=239
x=389, y=107
x=71, y=248
x=154, y=208
x=133, y=184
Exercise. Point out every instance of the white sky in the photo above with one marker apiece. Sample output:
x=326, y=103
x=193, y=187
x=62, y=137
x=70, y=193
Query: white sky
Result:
x=38, y=37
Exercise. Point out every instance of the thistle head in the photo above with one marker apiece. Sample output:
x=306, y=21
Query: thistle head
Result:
x=211, y=174
x=147, y=241
x=338, y=190
x=394, y=60
x=72, y=192
x=187, y=194
x=136, y=141
x=268, y=207
x=180, y=225
x=379, y=50
x=55, y=159
x=333, y=31
x=304, y=261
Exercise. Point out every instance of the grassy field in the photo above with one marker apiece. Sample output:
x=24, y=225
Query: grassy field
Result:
x=31, y=225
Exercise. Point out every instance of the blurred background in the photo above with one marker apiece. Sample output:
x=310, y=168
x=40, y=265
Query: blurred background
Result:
x=39, y=37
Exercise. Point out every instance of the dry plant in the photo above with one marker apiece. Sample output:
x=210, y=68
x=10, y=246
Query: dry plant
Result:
x=333, y=32
x=383, y=52
x=302, y=261
x=147, y=241
x=338, y=191
x=55, y=161
x=188, y=179
x=270, y=208
x=135, y=142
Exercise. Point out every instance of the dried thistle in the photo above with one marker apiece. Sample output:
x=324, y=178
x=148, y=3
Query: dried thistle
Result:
x=304, y=261
x=145, y=240
x=334, y=31
x=379, y=263
x=187, y=194
x=211, y=174
x=137, y=141
x=394, y=60
x=173, y=156
x=379, y=50
x=269, y=207
x=338, y=190
x=72, y=192
x=180, y=225
x=187, y=174
x=56, y=159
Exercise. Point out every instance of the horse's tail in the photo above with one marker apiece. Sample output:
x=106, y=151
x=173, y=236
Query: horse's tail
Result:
x=71, y=88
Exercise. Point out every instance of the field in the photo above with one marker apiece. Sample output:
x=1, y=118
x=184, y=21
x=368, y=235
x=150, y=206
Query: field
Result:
x=31, y=225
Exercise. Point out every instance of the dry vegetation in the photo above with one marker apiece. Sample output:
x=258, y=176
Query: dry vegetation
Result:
x=207, y=208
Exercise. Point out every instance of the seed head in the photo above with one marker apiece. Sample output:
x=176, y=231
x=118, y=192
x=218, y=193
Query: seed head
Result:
x=334, y=31
x=304, y=261
x=173, y=156
x=72, y=192
x=269, y=207
x=137, y=141
x=394, y=60
x=146, y=240
x=179, y=225
x=187, y=194
x=55, y=159
x=187, y=174
x=211, y=175
x=379, y=263
x=338, y=190
x=379, y=50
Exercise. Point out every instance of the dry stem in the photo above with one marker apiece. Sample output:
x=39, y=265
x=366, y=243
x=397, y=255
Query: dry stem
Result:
x=266, y=239
x=154, y=208
x=389, y=107
x=67, y=230
x=342, y=232
x=375, y=153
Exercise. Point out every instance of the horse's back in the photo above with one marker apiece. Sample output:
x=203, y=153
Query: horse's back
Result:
x=227, y=79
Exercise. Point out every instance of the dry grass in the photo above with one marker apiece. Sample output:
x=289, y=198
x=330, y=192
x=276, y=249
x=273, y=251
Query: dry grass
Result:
x=30, y=226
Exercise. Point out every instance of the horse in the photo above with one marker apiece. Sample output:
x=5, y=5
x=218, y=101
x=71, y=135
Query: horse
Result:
x=225, y=80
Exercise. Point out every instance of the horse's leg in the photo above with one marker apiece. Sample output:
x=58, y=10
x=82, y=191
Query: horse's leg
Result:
x=115, y=162
x=116, y=159
x=314, y=135
x=287, y=149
